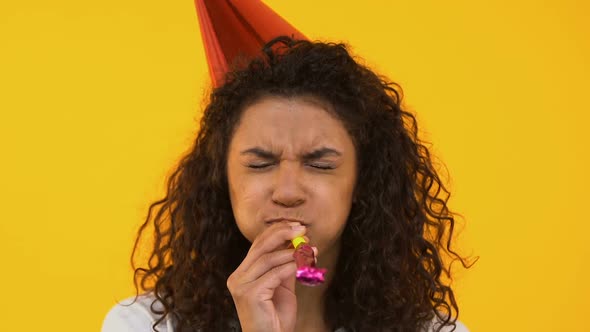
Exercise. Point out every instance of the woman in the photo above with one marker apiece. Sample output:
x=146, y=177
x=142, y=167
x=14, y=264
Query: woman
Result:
x=302, y=142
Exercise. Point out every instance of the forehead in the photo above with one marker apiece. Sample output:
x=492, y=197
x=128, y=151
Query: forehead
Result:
x=290, y=124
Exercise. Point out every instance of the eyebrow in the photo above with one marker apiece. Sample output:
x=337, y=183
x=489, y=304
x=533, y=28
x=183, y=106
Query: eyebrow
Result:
x=316, y=154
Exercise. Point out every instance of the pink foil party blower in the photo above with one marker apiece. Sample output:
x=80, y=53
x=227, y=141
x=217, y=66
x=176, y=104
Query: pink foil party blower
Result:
x=307, y=273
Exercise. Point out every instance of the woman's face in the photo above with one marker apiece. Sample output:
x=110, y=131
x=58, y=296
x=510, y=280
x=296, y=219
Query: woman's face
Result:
x=291, y=159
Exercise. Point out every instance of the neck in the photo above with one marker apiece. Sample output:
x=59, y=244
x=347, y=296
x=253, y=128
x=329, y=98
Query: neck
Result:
x=310, y=300
x=310, y=308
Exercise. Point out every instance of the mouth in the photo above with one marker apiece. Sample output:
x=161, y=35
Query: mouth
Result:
x=273, y=221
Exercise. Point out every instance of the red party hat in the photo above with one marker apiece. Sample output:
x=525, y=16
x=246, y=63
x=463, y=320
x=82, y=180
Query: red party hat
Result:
x=233, y=28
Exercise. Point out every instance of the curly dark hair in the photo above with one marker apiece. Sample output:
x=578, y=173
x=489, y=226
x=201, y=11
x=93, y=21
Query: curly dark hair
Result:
x=397, y=280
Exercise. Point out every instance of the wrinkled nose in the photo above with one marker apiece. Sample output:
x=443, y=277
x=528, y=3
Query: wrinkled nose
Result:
x=288, y=190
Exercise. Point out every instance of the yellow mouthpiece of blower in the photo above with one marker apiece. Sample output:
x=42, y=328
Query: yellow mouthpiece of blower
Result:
x=298, y=241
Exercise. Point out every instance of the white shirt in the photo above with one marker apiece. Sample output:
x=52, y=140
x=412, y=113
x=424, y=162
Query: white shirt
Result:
x=137, y=317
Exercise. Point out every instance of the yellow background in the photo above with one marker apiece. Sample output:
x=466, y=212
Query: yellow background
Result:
x=99, y=99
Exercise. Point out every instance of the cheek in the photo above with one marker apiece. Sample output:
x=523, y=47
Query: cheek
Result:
x=334, y=207
x=248, y=191
x=247, y=198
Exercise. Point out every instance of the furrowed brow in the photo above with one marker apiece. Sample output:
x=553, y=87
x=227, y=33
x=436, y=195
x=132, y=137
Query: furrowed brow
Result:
x=316, y=154
x=322, y=152
x=259, y=152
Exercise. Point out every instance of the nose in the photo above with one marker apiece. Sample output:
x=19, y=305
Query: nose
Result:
x=288, y=190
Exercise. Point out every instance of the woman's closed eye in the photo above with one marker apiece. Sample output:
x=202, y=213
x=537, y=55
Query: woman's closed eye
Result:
x=322, y=166
x=260, y=166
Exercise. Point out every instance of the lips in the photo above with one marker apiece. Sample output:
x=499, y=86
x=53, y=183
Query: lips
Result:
x=275, y=220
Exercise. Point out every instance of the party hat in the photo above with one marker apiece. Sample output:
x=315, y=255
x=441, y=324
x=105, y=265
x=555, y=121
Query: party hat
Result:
x=237, y=28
